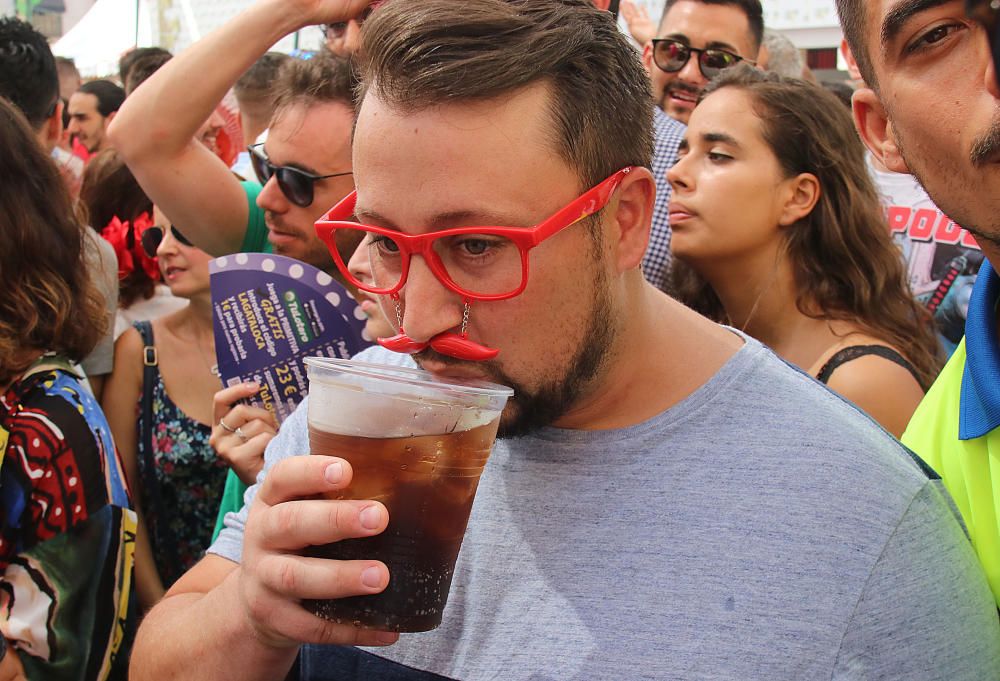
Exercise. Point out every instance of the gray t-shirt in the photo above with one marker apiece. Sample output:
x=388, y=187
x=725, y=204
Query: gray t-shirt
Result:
x=763, y=528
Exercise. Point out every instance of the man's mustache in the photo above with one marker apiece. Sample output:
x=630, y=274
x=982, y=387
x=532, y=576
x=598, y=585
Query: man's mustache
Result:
x=986, y=149
x=447, y=343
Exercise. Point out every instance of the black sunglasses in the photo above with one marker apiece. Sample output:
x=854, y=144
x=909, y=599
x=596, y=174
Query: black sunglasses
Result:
x=295, y=184
x=153, y=237
x=672, y=55
x=987, y=13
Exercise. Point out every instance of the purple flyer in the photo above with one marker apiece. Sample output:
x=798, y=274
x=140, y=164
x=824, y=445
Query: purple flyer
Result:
x=270, y=313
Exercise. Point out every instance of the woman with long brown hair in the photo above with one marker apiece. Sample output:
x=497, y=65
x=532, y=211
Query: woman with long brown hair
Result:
x=66, y=530
x=779, y=232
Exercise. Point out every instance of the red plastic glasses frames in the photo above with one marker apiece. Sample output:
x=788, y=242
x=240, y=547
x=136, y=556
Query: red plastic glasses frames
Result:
x=525, y=239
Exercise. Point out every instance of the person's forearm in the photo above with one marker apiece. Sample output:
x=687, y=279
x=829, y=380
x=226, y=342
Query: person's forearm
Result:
x=162, y=116
x=148, y=585
x=194, y=636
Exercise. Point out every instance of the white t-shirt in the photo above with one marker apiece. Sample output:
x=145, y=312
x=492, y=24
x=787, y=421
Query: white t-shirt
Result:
x=942, y=258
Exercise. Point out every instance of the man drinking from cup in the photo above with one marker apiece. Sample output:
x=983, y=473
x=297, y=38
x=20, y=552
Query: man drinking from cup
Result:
x=667, y=498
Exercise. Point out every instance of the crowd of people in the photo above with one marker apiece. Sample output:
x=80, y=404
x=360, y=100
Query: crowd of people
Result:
x=754, y=349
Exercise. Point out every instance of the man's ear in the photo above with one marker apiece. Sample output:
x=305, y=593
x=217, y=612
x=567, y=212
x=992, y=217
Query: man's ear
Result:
x=52, y=129
x=633, y=215
x=647, y=57
x=876, y=131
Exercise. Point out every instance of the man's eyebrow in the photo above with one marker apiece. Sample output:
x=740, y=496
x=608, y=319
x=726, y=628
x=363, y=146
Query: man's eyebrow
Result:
x=446, y=220
x=902, y=12
x=298, y=166
x=713, y=45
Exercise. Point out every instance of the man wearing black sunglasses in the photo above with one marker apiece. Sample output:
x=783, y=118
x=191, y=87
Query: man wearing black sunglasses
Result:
x=302, y=169
x=695, y=41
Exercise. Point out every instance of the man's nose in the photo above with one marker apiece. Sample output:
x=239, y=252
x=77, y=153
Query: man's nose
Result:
x=992, y=86
x=429, y=307
x=691, y=73
x=271, y=198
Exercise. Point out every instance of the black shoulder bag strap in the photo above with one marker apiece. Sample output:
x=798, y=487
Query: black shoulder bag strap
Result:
x=164, y=535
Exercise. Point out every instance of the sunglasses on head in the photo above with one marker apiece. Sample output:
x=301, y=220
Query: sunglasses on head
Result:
x=297, y=185
x=987, y=13
x=153, y=237
x=673, y=55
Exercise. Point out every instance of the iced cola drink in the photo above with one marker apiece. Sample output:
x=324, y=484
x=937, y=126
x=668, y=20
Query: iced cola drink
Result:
x=417, y=445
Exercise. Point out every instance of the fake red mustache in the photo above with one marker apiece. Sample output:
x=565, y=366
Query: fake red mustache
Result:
x=448, y=343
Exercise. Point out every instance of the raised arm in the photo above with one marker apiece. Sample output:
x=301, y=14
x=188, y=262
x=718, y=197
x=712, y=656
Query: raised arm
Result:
x=155, y=129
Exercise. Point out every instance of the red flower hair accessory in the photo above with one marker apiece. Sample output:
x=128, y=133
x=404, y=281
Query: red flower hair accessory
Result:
x=126, y=239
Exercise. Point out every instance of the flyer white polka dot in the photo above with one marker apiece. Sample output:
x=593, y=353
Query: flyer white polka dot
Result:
x=359, y=314
x=296, y=271
x=242, y=259
x=323, y=279
x=267, y=265
x=333, y=298
x=222, y=262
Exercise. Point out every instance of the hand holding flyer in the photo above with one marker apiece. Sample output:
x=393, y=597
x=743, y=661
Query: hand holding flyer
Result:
x=271, y=312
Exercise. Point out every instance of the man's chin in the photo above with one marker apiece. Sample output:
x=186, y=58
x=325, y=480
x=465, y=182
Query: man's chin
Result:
x=285, y=244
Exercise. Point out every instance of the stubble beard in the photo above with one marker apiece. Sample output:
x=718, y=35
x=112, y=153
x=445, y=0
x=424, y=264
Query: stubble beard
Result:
x=984, y=147
x=531, y=409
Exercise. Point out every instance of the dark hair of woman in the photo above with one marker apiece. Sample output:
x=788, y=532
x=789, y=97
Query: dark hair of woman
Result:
x=110, y=191
x=845, y=264
x=49, y=302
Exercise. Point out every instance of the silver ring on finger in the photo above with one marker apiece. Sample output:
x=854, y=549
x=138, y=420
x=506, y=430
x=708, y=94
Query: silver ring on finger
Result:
x=240, y=435
x=226, y=427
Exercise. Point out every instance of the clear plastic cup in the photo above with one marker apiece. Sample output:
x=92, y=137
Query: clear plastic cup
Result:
x=418, y=445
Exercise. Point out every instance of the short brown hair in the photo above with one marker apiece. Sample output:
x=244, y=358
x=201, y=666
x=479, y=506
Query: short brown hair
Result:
x=422, y=53
x=323, y=79
x=852, y=21
x=751, y=8
x=259, y=80
x=49, y=301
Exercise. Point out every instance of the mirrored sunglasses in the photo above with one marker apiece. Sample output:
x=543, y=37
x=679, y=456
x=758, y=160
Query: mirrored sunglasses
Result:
x=298, y=186
x=672, y=55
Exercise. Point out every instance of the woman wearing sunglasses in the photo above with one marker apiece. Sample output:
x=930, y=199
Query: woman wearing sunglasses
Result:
x=165, y=372
x=776, y=218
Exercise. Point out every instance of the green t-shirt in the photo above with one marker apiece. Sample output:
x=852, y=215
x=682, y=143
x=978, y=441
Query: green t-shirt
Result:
x=965, y=466
x=254, y=241
x=255, y=238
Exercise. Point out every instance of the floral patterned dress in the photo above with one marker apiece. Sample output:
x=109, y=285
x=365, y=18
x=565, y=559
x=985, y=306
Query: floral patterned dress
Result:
x=189, y=478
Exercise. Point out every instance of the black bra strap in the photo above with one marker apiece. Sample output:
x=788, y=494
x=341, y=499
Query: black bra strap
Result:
x=857, y=351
